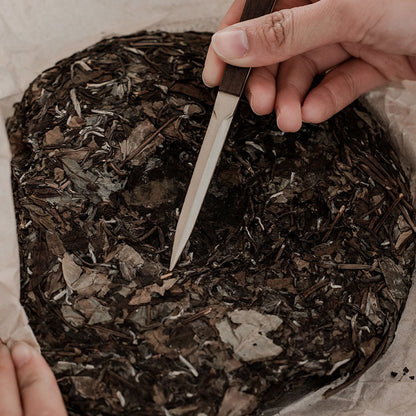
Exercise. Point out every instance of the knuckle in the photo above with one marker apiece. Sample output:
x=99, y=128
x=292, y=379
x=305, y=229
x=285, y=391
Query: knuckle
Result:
x=331, y=97
x=278, y=28
x=292, y=86
x=308, y=63
x=29, y=380
x=350, y=84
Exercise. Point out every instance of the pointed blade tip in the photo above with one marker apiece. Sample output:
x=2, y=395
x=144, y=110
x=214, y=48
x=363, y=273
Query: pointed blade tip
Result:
x=179, y=243
x=172, y=265
x=173, y=260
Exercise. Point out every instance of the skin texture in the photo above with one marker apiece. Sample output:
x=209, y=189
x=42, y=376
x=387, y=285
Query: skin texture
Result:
x=357, y=45
x=27, y=385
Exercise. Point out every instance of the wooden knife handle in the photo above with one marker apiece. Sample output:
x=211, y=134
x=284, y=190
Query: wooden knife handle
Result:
x=235, y=78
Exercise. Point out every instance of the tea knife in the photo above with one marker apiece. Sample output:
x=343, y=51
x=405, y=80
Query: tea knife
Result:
x=229, y=93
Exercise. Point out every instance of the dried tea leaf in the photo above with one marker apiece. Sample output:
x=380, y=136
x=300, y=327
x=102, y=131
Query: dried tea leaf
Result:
x=161, y=312
x=301, y=263
x=393, y=274
x=403, y=239
x=92, y=282
x=159, y=396
x=54, y=137
x=71, y=316
x=93, y=310
x=76, y=122
x=237, y=403
x=144, y=295
x=159, y=340
x=140, y=144
x=130, y=261
x=70, y=270
x=82, y=180
x=153, y=194
x=249, y=339
x=373, y=310
x=85, y=386
x=285, y=283
x=55, y=244
x=75, y=102
x=68, y=367
x=129, y=255
x=368, y=347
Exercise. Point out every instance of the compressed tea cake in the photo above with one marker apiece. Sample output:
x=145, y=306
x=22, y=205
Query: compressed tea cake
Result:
x=295, y=275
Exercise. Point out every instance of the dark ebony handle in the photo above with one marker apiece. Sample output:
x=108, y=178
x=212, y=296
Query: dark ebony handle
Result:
x=235, y=78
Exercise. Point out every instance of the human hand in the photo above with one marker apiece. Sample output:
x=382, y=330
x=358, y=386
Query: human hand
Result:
x=358, y=44
x=27, y=385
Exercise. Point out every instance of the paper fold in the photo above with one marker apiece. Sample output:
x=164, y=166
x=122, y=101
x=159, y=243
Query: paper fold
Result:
x=13, y=322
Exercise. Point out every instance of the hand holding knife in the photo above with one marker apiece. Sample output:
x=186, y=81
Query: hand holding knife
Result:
x=231, y=88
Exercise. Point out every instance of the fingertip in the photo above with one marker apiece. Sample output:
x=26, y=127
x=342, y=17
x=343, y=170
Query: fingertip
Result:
x=260, y=106
x=206, y=80
x=310, y=114
x=261, y=90
x=289, y=120
x=212, y=74
x=21, y=353
x=213, y=69
x=314, y=110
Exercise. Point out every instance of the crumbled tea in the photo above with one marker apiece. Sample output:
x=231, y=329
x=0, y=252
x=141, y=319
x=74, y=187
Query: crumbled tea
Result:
x=295, y=275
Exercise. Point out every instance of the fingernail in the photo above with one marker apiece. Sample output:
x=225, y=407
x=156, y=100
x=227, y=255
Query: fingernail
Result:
x=250, y=100
x=207, y=84
x=21, y=354
x=230, y=43
x=249, y=96
x=278, y=118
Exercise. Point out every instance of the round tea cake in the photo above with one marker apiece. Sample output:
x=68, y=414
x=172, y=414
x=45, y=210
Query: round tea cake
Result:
x=295, y=275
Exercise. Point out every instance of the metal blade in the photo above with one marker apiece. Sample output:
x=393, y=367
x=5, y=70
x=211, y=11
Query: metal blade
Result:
x=218, y=127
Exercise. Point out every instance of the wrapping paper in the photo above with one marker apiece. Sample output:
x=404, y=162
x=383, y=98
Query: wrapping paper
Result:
x=34, y=35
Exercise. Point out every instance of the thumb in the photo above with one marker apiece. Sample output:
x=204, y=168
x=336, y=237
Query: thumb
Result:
x=280, y=35
x=39, y=391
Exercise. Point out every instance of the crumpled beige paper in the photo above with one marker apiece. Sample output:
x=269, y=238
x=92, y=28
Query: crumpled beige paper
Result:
x=36, y=34
x=13, y=321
